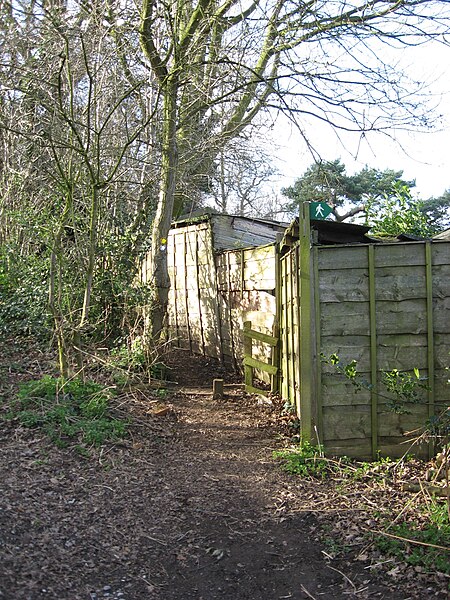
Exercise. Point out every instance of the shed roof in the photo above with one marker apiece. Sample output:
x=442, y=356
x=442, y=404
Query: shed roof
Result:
x=329, y=232
x=444, y=235
x=235, y=231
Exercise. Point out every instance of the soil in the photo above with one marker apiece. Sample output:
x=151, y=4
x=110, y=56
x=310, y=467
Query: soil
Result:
x=191, y=506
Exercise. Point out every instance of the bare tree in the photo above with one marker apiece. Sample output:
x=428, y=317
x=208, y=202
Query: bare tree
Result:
x=81, y=125
x=240, y=182
x=218, y=64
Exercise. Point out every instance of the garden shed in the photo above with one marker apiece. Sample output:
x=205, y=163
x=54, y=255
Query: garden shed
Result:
x=316, y=288
x=222, y=272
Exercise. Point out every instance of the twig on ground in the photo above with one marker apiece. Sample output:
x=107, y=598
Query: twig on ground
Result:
x=305, y=591
x=408, y=540
x=344, y=576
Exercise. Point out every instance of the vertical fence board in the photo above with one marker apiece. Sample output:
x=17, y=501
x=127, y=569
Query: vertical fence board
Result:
x=373, y=351
x=318, y=348
x=430, y=335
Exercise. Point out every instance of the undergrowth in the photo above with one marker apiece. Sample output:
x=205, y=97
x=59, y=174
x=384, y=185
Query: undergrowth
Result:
x=68, y=411
x=307, y=460
x=422, y=542
x=420, y=537
x=131, y=361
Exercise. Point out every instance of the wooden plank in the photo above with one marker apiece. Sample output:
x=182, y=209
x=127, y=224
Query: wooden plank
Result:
x=216, y=298
x=242, y=282
x=345, y=318
x=405, y=254
x=353, y=448
x=442, y=351
x=339, y=258
x=441, y=280
x=441, y=253
x=334, y=287
x=259, y=364
x=284, y=331
x=261, y=229
x=275, y=360
x=339, y=391
x=394, y=425
x=248, y=371
x=399, y=446
x=261, y=253
x=403, y=358
x=277, y=350
x=262, y=337
x=292, y=294
x=186, y=301
x=230, y=316
x=254, y=390
x=430, y=332
x=400, y=283
x=347, y=422
x=259, y=271
x=174, y=288
x=351, y=318
x=297, y=332
x=317, y=336
x=441, y=308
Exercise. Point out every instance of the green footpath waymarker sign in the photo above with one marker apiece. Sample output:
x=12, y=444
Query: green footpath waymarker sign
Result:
x=319, y=210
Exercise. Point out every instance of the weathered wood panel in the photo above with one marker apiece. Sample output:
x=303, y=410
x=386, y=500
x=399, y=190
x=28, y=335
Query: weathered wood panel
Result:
x=378, y=313
x=346, y=422
x=247, y=269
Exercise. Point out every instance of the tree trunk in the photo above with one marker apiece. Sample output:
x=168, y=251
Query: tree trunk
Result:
x=163, y=217
x=92, y=255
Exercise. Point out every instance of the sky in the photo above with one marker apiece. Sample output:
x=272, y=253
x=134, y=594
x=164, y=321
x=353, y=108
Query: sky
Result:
x=423, y=156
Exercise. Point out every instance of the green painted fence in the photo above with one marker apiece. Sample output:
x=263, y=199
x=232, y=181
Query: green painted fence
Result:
x=386, y=306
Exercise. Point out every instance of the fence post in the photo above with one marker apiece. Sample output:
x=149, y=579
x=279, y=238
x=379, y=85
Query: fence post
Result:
x=305, y=343
x=248, y=342
x=430, y=337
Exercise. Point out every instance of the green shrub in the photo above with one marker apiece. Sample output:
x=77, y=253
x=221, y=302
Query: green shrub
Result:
x=23, y=295
x=304, y=460
x=68, y=409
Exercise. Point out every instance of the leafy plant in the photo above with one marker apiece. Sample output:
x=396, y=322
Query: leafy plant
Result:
x=23, y=294
x=424, y=544
x=400, y=213
x=304, y=459
x=68, y=409
x=403, y=387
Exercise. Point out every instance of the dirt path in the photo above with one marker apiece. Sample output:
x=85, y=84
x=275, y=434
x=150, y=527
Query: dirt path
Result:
x=193, y=507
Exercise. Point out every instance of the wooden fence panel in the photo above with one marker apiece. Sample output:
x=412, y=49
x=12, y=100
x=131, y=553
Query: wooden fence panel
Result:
x=385, y=306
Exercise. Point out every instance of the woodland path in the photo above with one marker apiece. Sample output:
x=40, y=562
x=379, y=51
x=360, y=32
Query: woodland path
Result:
x=192, y=507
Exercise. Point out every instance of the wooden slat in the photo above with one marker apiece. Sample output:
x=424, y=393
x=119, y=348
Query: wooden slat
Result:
x=254, y=390
x=262, y=337
x=430, y=336
x=259, y=364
